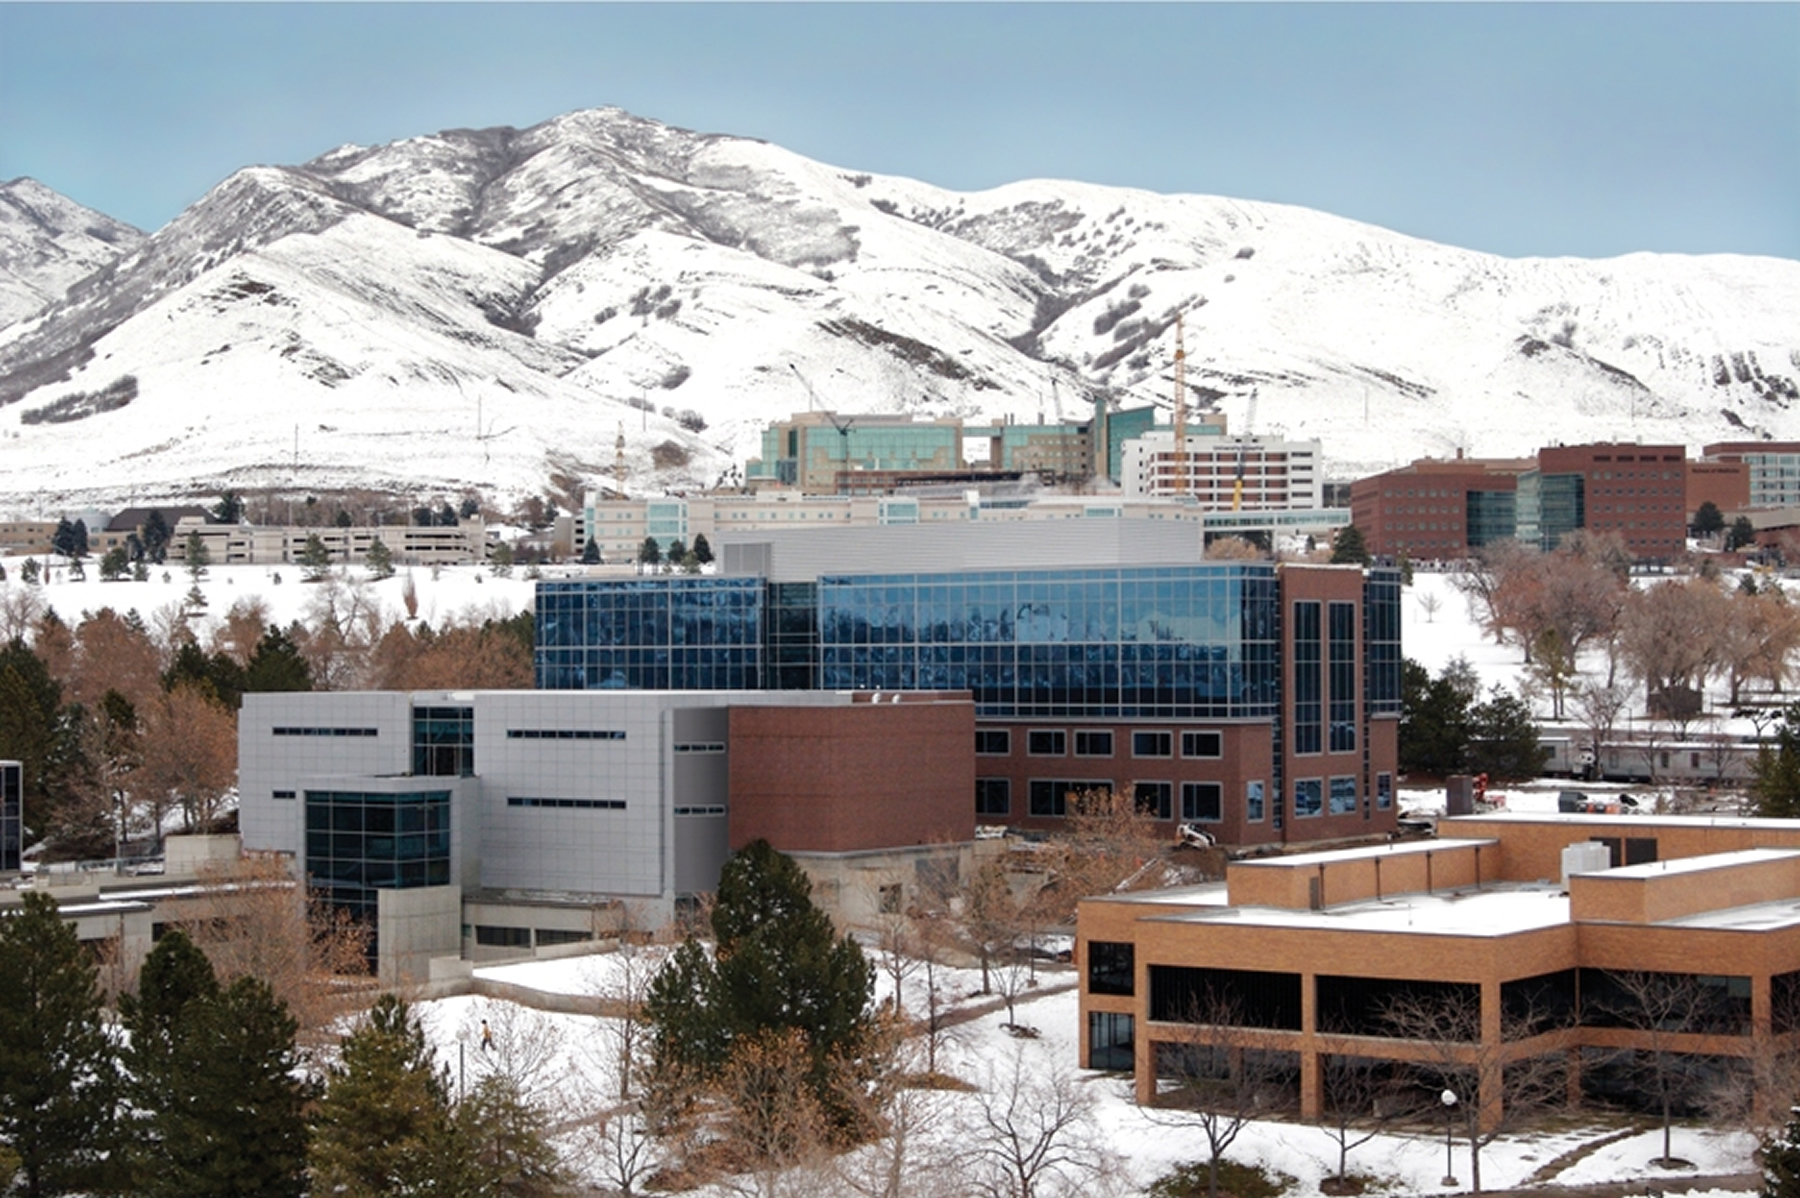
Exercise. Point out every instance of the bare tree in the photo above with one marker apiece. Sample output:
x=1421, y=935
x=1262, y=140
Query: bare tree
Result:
x=623, y=988
x=524, y=1046
x=189, y=756
x=1598, y=706
x=933, y=1024
x=1031, y=1133
x=343, y=623
x=21, y=607
x=1224, y=1076
x=896, y=939
x=1666, y=1010
x=1430, y=602
x=1669, y=637
x=1497, y=1083
x=1355, y=1112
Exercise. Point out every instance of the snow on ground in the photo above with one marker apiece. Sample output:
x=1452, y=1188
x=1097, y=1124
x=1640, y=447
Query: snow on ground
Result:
x=572, y=1057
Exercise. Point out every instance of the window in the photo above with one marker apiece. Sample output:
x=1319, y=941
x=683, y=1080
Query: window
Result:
x=700, y=746
x=709, y=809
x=1203, y=801
x=1202, y=744
x=499, y=937
x=548, y=936
x=1152, y=744
x=1308, y=716
x=564, y=734
x=1047, y=742
x=1343, y=796
x=1308, y=797
x=573, y=804
x=1153, y=799
x=281, y=794
x=1384, y=791
x=325, y=731
x=1093, y=744
x=1110, y=1041
x=1253, y=802
x=1343, y=677
x=1050, y=796
x=993, y=742
x=444, y=742
x=993, y=796
x=1111, y=967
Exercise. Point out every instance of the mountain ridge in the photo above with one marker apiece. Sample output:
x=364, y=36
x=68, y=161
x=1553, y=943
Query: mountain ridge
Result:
x=522, y=296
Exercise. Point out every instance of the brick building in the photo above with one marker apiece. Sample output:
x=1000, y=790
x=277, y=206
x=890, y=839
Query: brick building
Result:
x=1438, y=509
x=1510, y=912
x=1637, y=491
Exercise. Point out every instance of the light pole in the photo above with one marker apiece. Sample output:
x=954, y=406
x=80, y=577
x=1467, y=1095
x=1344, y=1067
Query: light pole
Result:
x=1448, y=1098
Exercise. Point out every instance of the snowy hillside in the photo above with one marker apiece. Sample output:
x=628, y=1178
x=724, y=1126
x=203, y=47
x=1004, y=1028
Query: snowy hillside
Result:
x=490, y=308
x=47, y=243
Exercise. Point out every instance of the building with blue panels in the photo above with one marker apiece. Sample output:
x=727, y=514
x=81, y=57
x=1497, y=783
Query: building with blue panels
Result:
x=1257, y=698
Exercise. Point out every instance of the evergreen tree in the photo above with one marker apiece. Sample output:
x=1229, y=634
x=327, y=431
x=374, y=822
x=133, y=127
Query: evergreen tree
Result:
x=1348, y=548
x=80, y=539
x=677, y=551
x=1777, y=782
x=217, y=676
x=383, y=1123
x=1434, y=720
x=63, y=539
x=380, y=559
x=701, y=550
x=315, y=559
x=156, y=536
x=1781, y=1161
x=590, y=553
x=1742, y=534
x=229, y=509
x=197, y=554
x=1503, y=739
x=502, y=560
x=498, y=1146
x=276, y=665
x=115, y=564
x=1708, y=519
x=650, y=552
x=31, y=726
x=778, y=966
x=58, y=1073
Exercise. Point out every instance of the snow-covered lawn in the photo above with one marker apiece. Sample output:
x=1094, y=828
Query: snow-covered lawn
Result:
x=570, y=1061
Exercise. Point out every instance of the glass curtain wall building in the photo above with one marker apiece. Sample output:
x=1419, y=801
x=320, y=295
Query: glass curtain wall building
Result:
x=1167, y=642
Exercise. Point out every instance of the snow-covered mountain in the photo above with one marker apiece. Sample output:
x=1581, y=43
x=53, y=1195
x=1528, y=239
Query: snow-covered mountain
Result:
x=493, y=308
x=47, y=243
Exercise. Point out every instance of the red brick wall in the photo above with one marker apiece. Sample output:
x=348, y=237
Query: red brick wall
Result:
x=842, y=779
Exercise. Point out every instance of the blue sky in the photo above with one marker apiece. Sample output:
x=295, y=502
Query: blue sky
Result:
x=1521, y=129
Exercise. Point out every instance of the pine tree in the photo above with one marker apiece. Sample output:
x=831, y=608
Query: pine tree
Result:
x=1781, y=1161
x=1708, y=519
x=650, y=552
x=590, y=553
x=213, y=1077
x=197, y=554
x=701, y=550
x=315, y=559
x=156, y=536
x=383, y=1123
x=58, y=1073
x=229, y=509
x=276, y=665
x=1777, y=784
x=1741, y=534
x=115, y=564
x=380, y=559
x=1503, y=739
x=1348, y=547
x=498, y=1144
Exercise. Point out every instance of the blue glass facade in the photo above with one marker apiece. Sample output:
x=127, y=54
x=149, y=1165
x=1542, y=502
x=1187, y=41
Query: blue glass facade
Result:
x=358, y=843
x=671, y=633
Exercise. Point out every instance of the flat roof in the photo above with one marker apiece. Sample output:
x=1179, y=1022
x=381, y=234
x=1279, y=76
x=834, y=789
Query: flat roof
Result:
x=1694, y=865
x=1755, y=823
x=1492, y=910
x=1398, y=848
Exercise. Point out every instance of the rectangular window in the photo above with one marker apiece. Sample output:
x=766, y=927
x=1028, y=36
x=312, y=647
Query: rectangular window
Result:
x=325, y=731
x=1050, y=796
x=701, y=746
x=1154, y=799
x=444, y=742
x=281, y=794
x=1152, y=744
x=993, y=796
x=1111, y=967
x=564, y=734
x=1343, y=677
x=1384, y=791
x=1047, y=742
x=1253, y=802
x=549, y=936
x=1343, y=796
x=1110, y=1044
x=711, y=809
x=500, y=937
x=1093, y=744
x=1309, y=797
x=1203, y=801
x=1202, y=744
x=993, y=742
x=1308, y=702
x=568, y=804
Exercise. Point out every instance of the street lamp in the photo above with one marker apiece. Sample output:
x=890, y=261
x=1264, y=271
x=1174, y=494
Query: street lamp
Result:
x=1448, y=1098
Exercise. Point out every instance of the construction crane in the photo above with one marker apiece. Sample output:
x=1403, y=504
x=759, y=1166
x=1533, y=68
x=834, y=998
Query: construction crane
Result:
x=1181, y=453
x=1237, y=486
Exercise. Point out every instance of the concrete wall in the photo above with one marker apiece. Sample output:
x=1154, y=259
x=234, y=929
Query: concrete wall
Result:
x=417, y=925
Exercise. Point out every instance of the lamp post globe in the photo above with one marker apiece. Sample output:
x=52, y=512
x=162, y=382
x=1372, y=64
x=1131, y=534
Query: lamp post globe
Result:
x=1448, y=1098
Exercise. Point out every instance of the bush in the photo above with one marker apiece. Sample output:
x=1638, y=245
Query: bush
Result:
x=1240, y=1181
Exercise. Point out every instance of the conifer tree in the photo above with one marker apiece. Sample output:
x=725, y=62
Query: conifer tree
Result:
x=1781, y=1161
x=701, y=549
x=380, y=559
x=315, y=558
x=58, y=1072
x=156, y=536
x=276, y=664
x=383, y=1121
x=590, y=553
x=1349, y=547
